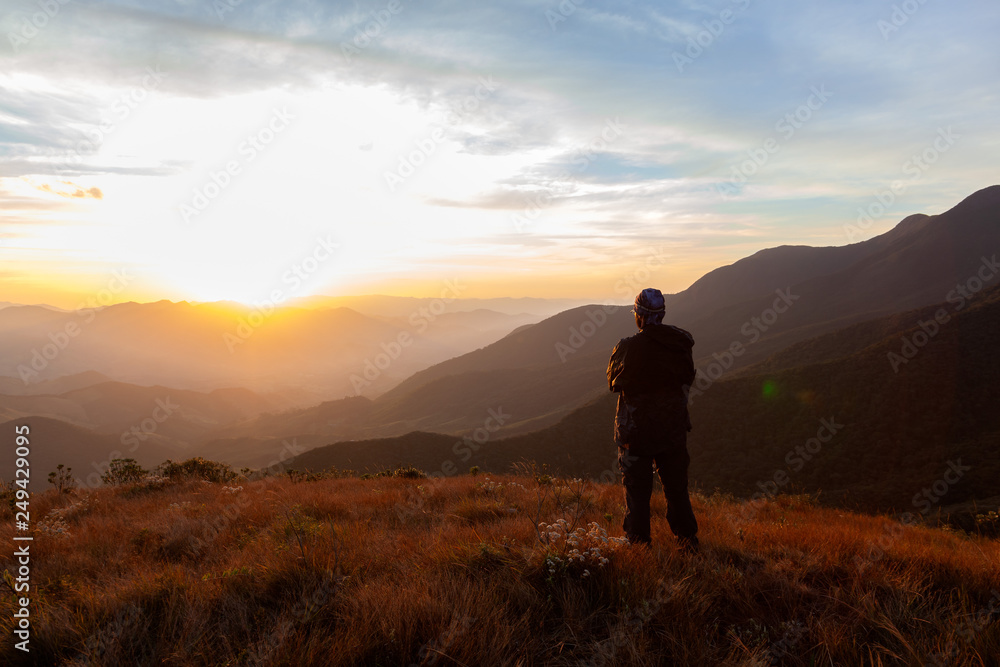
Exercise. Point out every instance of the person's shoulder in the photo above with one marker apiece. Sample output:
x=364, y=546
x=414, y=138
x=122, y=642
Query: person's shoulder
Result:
x=629, y=339
x=683, y=332
x=624, y=343
x=678, y=334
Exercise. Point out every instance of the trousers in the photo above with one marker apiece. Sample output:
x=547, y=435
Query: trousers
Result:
x=637, y=475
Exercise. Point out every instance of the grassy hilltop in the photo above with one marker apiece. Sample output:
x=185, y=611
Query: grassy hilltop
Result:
x=397, y=570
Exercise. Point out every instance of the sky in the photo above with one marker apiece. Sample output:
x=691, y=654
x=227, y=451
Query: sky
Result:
x=256, y=150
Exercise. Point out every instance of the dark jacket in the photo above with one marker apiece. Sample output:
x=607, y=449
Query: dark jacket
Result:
x=652, y=372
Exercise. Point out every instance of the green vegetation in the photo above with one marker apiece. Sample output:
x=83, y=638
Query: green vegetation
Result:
x=124, y=471
x=62, y=478
x=198, y=468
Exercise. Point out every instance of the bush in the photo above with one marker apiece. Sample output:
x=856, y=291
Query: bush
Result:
x=408, y=472
x=8, y=493
x=62, y=479
x=988, y=524
x=124, y=471
x=198, y=468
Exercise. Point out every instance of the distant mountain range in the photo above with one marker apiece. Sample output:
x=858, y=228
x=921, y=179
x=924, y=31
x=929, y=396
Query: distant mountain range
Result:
x=450, y=301
x=784, y=338
x=928, y=261
x=739, y=315
x=16, y=387
x=917, y=263
x=863, y=428
x=306, y=354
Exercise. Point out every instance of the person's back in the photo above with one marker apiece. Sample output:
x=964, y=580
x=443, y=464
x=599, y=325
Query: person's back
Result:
x=653, y=370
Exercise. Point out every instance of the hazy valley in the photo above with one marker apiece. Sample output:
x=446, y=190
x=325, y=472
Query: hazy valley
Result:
x=887, y=338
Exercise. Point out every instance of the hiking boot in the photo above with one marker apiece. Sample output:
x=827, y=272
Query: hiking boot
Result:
x=636, y=540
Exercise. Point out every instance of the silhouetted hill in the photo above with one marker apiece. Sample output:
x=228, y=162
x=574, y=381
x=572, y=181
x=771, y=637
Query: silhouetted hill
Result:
x=890, y=427
x=775, y=268
x=548, y=343
x=329, y=418
x=186, y=415
x=425, y=451
x=841, y=343
x=523, y=374
x=917, y=264
x=903, y=419
x=527, y=370
x=532, y=395
x=530, y=398
x=54, y=442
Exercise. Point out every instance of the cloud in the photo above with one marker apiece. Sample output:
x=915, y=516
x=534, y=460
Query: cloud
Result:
x=538, y=131
x=500, y=200
x=74, y=192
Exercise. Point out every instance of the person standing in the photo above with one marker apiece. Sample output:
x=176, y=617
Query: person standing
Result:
x=652, y=372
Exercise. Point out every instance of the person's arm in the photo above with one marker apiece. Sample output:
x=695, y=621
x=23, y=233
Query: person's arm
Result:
x=616, y=366
x=689, y=371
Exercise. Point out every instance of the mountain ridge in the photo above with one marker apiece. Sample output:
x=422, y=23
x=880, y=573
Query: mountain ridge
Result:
x=962, y=428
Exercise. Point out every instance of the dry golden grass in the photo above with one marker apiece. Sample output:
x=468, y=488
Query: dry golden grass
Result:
x=391, y=571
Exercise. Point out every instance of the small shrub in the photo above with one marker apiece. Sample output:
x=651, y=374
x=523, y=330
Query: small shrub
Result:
x=409, y=472
x=56, y=522
x=8, y=494
x=988, y=524
x=62, y=479
x=569, y=551
x=198, y=468
x=124, y=471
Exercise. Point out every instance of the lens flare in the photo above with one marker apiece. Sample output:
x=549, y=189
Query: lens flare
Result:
x=769, y=389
